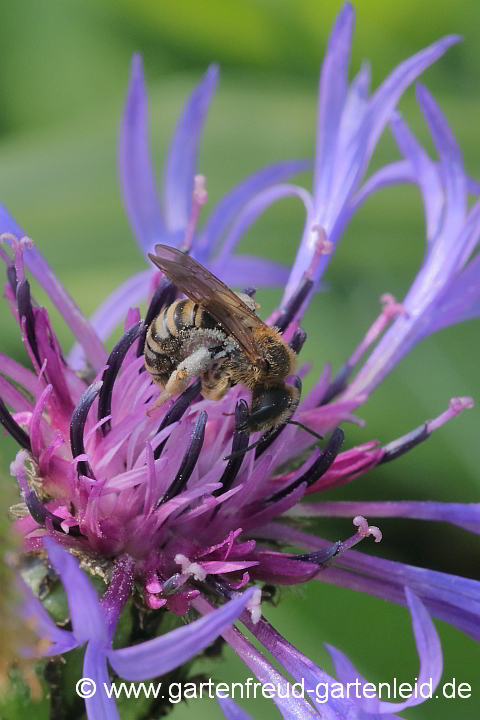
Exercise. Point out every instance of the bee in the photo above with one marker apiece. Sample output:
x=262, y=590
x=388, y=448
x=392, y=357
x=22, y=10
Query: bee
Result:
x=216, y=335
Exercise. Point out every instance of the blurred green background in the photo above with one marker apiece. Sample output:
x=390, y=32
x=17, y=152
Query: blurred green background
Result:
x=63, y=75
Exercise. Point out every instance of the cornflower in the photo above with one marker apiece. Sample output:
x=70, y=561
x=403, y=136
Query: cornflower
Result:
x=94, y=623
x=154, y=493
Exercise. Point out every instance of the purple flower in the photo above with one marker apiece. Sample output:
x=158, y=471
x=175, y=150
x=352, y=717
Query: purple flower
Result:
x=431, y=662
x=154, y=494
x=446, y=291
x=173, y=221
x=350, y=123
x=333, y=701
x=170, y=222
x=94, y=624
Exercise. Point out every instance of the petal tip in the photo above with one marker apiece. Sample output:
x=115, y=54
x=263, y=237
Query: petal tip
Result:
x=452, y=39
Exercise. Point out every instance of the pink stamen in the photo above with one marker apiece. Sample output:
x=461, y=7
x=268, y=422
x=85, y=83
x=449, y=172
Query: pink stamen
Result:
x=254, y=606
x=364, y=530
x=190, y=568
x=68, y=522
x=390, y=310
x=18, y=248
x=153, y=585
x=17, y=466
x=200, y=194
x=200, y=197
x=323, y=246
x=456, y=406
x=241, y=583
x=155, y=602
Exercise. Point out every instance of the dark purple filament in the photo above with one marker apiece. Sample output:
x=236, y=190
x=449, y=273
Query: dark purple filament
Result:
x=109, y=376
x=189, y=460
x=239, y=442
x=181, y=404
x=25, y=310
x=13, y=428
x=317, y=469
x=164, y=296
x=77, y=427
x=398, y=447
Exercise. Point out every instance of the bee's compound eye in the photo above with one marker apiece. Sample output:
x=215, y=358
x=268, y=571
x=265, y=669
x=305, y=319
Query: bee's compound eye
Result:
x=267, y=406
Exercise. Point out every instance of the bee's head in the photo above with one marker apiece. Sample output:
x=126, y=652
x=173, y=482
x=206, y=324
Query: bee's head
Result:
x=271, y=406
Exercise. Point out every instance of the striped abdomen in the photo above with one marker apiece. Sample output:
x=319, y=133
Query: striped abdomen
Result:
x=167, y=335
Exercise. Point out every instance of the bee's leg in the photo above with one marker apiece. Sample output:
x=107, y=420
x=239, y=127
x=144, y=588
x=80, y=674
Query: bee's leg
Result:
x=215, y=388
x=215, y=381
x=193, y=366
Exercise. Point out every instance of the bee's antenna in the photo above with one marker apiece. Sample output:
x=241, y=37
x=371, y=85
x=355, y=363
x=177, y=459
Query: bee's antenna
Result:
x=239, y=453
x=268, y=434
x=305, y=427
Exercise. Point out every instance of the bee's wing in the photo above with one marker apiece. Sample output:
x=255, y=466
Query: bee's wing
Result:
x=201, y=286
